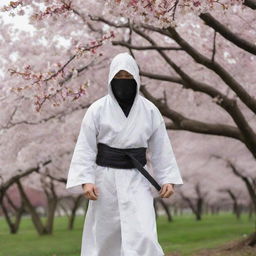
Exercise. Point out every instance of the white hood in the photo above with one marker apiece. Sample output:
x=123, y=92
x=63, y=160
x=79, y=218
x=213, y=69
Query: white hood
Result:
x=123, y=61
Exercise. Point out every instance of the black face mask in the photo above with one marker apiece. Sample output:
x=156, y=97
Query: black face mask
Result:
x=124, y=91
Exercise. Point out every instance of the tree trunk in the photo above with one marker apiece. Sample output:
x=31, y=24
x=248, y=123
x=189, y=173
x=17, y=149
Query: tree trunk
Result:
x=166, y=208
x=34, y=215
x=13, y=226
x=52, y=205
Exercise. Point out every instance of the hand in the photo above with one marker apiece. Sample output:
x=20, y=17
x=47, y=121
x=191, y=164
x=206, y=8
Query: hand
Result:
x=166, y=190
x=90, y=191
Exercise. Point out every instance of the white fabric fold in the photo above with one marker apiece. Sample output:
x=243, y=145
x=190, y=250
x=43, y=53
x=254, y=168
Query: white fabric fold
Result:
x=82, y=166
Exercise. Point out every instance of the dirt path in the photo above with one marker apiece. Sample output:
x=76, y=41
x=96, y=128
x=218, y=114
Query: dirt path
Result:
x=226, y=250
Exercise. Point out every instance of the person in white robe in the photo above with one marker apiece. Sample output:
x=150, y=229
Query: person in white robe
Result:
x=120, y=220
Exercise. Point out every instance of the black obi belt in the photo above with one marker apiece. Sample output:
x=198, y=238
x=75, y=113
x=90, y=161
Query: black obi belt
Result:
x=124, y=158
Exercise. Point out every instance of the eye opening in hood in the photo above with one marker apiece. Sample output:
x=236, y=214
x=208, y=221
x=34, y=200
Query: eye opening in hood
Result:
x=123, y=74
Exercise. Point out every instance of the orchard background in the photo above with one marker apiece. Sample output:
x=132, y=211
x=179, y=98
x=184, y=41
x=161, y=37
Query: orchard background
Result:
x=197, y=61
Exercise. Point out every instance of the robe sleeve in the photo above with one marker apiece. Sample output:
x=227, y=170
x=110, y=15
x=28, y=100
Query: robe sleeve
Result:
x=161, y=156
x=82, y=166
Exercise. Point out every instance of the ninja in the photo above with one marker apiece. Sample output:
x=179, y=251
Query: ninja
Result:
x=109, y=166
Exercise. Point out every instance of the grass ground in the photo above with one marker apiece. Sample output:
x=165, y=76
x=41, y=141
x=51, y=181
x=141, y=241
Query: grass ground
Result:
x=183, y=237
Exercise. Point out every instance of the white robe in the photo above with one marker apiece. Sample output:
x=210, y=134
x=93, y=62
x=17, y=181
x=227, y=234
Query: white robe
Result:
x=121, y=222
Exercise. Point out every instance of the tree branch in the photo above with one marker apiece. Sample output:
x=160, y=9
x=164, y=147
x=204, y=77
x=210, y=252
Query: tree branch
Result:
x=181, y=122
x=227, y=33
x=228, y=104
x=150, y=47
x=250, y=3
x=248, y=100
x=15, y=178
